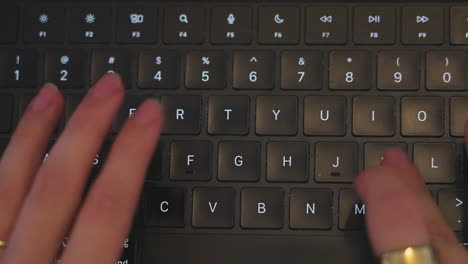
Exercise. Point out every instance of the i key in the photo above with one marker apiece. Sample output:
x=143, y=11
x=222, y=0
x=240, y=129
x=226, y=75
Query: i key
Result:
x=110, y=60
x=446, y=70
x=349, y=70
x=205, y=70
x=301, y=70
x=253, y=70
x=158, y=69
x=65, y=68
x=18, y=68
x=398, y=70
x=373, y=116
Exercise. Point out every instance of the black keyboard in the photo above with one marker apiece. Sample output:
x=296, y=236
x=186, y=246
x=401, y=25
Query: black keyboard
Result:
x=271, y=110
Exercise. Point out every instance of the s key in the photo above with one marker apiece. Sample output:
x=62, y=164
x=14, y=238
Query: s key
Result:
x=398, y=70
x=446, y=70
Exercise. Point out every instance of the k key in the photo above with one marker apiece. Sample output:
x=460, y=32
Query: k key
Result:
x=446, y=70
x=205, y=70
x=398, y=70
x=349, y=70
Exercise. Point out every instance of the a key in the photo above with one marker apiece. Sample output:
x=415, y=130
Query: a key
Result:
x=18, y=68
x=65, y=68
x=335, y=161
x=154, y=171
x=310, y=208
x=301, y=70
x=8, y=24
x=228, y=115
x=213, y=207
x=164, y=207
x=158, y=69
x=276, y=115
x=422, y=116
x=326, y=25
x=231, y=25
x=325, y=115
x=253, y=70
x=436, y=162
x=349, y=70
x=373, y=116
x=6, y=113
x=44, y=24
x=398, y=70
x=182, y=114
x=374, y=25
x=458, y=115
x=129, y=107
x=422, y=25
x=110, y=60
x=278, y=25
x=137, y=25
x=454, y=207
x=287, y=162
x=352, y=211
x=184, y=24
x=90, y=24
x=205, y=70
x=190, y=160
x=446, y=70
x=239, y=161
x=262, y=208
x=374, y=152
x=459, y=25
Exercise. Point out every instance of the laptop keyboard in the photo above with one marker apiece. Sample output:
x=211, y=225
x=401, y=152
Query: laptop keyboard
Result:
x=270, y=110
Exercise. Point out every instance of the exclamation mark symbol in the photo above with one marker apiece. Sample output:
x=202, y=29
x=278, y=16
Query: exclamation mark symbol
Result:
x=17, y=60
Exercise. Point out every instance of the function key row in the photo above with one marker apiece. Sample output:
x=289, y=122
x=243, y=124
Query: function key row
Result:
x=235, y=24
x=252, y=70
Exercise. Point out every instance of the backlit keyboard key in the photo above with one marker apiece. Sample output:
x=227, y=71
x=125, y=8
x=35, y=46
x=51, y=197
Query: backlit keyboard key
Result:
x=231, y=25
x=287, y=162
x=254, y=70
x=262, y=208
x=276, y=115
x=91, y=24
x=182, y=114
x=398, y=70
x=111, y=60
x=239, y=161
x=352, y=211
x=326, y=25
x=446, y=70
x=213, y=207
x=374, y=152
x=310, y=208
x=205, y=70
x=301, y=70
x=453, y=204
x=164, y=206
x=228, y=115
x=18, y=68
x=335, y=161
x=190, y=161
x=422, y=25
x=374, y=25
x=422, y=116
x=325, y=115
x=458, y=115
x=65, y=68
x=349, y=70
x=278, y=25
x=459, y=25
x=158, y=69
x=137, y=25
x=437, y=162
x=44, y=24
x=184, y=25
x=373, y=116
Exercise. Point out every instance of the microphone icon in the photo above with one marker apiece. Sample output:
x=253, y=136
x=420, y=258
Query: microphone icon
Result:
x=231, y=19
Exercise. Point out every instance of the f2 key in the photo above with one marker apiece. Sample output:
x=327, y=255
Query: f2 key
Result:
x=446, y=70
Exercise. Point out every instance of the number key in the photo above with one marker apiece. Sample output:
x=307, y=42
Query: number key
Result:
x=253, y=70
x=398, y=70
x=17, y=68
x=110, y=60
x=446, y=70
x=158, y=69
x=301, y=70
x=349, y=70
x=205, y=70
x=65, y=68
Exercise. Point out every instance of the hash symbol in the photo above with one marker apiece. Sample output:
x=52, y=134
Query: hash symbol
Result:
x=111, y=60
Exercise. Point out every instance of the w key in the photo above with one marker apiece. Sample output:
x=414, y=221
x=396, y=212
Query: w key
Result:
x=446, y=70
x=205, y=70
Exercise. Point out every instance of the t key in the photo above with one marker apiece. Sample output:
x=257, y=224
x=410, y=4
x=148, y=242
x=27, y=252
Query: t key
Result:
x=254, y=70
x=205, y=70
x=446, y=70
x=398, y=70
x=349, y=70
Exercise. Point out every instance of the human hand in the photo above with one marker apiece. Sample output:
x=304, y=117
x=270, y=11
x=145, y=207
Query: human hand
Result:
x=41, y=202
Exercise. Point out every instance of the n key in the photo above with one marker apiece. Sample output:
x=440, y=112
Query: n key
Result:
x=18, y=68
x=205, y=70
x=446, y=70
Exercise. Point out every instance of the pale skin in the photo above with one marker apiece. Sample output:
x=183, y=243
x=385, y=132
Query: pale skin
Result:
x=400, y=210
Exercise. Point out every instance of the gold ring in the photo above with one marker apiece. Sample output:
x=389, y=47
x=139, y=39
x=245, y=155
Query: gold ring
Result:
x=410, y=255
x=2, y=243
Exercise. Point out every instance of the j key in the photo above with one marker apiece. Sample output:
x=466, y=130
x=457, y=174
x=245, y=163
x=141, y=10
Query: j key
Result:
x=205, y=70
x=446, y=70
x=8, y=24
x=374, y=152
x=352, y=211
x=373, y=116
x=231, y=25
x=458, y=115
x=158, y=69
x=132, y=102
x=310, y=208
x=278, y=25
x=287, y=162
x=18, y=68
x=182, y=114
x=262, y=208
x=422, y=116
x=254, y=70
x=437, y=162
x=301, y=70
x=65, y=68
x=325, y=115
x=239, y=161
x=228, y=115
x=454, y=206
x=44, y=24
x=190, y=160
x=184, y=25
x=276, y=115
x=374, y=25
x=326, y=25
x=110, y=60
x=164, y=207
x=137, y=25
x=6, y=113
x=335, y=161
x=154, y=172
x=91, y=25
x=422, y=25
x=349, y=70
x=213, y=207
x=398, y=70
x=459, y=25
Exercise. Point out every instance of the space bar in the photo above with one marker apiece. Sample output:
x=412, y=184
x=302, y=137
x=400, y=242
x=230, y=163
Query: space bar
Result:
x=240, y=249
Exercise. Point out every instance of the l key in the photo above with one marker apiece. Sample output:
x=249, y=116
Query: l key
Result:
x=446, y=70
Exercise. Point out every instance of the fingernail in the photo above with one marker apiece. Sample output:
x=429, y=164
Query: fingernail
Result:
x=147, y=112
x=109, y=84
x=44, y=98
x=397, y=159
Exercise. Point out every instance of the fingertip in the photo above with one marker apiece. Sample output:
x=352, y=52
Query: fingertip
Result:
x=397, y=159
x=109, y=84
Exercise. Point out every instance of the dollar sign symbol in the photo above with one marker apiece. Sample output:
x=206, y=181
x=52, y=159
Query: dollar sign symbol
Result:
x=158, y=60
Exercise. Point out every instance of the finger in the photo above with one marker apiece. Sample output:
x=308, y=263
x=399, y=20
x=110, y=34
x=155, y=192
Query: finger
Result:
x=25, y=153
x=107, y=213
x=400, y=211
x=57, y=189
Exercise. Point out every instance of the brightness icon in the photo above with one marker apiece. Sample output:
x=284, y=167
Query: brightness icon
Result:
x=90, y=18
x=43, y=18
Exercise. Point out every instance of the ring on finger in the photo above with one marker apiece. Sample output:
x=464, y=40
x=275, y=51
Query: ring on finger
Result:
x=410, y=255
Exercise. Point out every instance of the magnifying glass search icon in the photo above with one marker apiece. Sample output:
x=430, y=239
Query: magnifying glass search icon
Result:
x=183, y=18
